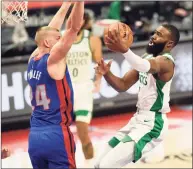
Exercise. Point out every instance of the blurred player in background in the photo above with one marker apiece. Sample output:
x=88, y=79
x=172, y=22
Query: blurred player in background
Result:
x=51, y=143
x=155, y=70
x=85, y=49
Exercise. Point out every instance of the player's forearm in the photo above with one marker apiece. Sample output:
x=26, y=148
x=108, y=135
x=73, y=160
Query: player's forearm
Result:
x=137, y=62
x=59, y=17
x=61, y=48
x=116, y=82
x=76, y=16
x=98, y=78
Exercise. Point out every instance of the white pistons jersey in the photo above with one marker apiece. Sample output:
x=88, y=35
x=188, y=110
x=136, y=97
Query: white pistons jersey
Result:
x=154, y=94
x=79, y=60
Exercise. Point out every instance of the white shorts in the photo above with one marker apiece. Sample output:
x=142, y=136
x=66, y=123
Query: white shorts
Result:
x=147, y=129
x=83, y=101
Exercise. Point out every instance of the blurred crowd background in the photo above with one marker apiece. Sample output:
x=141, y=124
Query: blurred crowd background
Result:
x=17, y=43
x=142, y=17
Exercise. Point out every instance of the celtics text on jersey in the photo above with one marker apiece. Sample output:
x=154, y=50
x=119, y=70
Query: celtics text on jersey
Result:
x=154, y=94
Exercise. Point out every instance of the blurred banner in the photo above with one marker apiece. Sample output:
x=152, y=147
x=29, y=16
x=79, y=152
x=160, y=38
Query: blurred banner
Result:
x=15, y=91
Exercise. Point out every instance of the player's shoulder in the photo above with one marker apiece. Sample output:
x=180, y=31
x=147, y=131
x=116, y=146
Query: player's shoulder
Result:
x=95, y=38
x=145, y=55
x=30, y=58
x=35, y=53
x=166, y=56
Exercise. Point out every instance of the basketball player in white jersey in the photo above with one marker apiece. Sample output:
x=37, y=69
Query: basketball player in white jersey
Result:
x=85, y=49
x=154, y=70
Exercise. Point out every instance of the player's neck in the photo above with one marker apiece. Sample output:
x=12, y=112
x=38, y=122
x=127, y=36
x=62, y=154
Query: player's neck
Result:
x=43, y=51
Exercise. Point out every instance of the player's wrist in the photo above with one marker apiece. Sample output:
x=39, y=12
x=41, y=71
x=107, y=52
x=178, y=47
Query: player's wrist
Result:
x=126, y=52
x=107, y=73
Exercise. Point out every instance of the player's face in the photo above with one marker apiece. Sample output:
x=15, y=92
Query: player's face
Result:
x=52, y=38
x=158, y=42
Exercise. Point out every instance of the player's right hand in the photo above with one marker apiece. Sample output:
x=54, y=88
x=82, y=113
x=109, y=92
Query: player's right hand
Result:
x=102, y=67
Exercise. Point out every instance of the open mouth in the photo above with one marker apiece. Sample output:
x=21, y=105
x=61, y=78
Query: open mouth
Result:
x=151, y=43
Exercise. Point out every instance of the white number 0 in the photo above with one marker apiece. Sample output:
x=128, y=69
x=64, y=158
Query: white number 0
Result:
x=41, y=97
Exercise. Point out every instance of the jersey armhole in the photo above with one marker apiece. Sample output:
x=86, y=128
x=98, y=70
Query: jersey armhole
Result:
x=89, y=41
x=46, y=68
x=144, y=55
x=30, y=59
x=168, y=56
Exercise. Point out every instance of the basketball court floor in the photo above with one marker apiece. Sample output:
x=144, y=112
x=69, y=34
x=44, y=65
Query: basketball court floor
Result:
x=177, y=146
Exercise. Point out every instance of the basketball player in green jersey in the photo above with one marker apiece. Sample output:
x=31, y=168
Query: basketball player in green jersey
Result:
x=154, y=70
x=86, y=48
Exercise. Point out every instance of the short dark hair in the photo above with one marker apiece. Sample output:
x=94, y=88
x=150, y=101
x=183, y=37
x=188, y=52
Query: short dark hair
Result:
x=175, y=34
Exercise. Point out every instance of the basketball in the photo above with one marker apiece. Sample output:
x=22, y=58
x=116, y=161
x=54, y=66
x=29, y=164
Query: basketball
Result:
x=123, y=29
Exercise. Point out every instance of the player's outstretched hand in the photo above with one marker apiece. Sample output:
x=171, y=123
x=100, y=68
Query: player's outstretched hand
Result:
x=103, y=68
x=115, y=42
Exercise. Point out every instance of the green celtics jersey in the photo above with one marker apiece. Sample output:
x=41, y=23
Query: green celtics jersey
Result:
x=154, y=94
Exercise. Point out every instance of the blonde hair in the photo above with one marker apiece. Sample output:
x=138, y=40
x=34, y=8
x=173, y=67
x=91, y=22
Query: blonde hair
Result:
x=41, y=31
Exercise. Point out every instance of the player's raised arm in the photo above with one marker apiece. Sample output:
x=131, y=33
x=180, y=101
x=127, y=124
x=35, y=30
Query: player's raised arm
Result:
x=56, y=21
x=61, y=48
x=165, y=38
x=119, y=84
x=160, y=64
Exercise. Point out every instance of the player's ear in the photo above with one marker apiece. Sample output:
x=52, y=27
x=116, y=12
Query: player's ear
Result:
x=46, y=43
x=170, y=44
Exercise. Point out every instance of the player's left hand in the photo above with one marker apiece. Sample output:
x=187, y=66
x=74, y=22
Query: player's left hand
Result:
x=115, y=42
x=103, y=68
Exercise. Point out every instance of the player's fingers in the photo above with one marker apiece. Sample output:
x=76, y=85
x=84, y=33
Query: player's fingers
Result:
x=114, y=35
x=109, y=40
x=109, y=63
x=126, y=35
x=103, y=63
x=96, y=69
x=100, y=62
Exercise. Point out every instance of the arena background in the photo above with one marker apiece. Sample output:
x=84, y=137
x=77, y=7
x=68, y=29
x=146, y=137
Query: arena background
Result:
x=112, y=110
